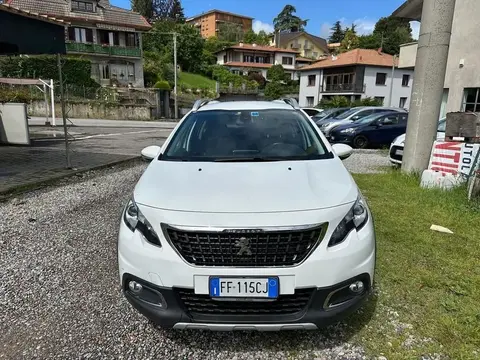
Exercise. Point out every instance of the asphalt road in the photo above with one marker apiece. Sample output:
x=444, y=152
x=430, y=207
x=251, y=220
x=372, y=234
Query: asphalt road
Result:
x=60, y=295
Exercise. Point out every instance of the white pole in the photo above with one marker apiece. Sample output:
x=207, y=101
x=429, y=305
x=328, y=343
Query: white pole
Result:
x=47, y=110
x=52, y=98
x=393, y=78
x=175, y=66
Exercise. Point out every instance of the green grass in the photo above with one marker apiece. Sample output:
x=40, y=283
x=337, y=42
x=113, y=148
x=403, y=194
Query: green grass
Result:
x=425, y=279
x=196, y=81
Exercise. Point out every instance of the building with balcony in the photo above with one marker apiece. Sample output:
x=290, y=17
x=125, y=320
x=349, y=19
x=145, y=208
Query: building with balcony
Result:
x=209, y=23
x=356, y=74
x=307, y=45
x=111, y=37
x=462, y=78
x=247, y=58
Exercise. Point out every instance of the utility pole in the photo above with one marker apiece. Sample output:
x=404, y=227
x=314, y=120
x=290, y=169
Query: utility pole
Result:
x=393, y=78
x=428, y=84
x=62, y=100
x=175, y=66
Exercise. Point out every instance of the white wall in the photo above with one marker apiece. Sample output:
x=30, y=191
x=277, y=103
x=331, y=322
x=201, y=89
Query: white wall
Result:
x=307, y=91
x=278, y=60
x=220, y=57
x=399, y=91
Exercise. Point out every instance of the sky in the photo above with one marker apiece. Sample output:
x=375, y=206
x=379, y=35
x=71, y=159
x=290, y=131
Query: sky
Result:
x=321, y=14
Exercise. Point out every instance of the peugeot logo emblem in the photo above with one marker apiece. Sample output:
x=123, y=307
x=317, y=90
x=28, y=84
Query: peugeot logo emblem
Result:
x=244, y=244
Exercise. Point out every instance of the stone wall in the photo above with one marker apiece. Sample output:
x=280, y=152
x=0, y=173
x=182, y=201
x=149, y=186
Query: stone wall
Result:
x=95, y=110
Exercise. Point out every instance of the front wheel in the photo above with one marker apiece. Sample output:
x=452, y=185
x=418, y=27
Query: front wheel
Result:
x=360, y=142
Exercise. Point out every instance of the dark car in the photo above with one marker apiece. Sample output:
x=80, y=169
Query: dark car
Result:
x=374, y=130
x=329, y=113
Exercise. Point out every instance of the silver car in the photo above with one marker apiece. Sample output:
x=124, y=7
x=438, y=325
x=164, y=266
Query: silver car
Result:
x=353, y=115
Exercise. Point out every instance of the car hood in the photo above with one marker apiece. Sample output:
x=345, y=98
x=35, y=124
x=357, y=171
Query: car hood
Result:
x=245, y=187
x=400, y=141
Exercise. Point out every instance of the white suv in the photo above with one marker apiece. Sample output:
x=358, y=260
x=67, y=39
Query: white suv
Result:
x=246, y=219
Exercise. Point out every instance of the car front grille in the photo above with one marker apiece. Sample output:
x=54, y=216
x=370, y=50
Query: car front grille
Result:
x=393, y=153
x=283, y=305
x=244, y=248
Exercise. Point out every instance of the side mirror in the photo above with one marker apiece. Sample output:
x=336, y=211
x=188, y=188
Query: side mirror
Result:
x=150, y=152
x=356, y=117
x=343, y=151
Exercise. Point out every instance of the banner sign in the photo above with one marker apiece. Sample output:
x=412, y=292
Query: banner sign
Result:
x=454, y=158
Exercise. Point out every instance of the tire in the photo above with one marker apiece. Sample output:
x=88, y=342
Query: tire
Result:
x=360, y=142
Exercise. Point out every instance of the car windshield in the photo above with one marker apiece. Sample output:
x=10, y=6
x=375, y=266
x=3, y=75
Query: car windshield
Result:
x=368, y=119
x=246, y=135
x=346, y=114
x=323, y=114
x=442, y=125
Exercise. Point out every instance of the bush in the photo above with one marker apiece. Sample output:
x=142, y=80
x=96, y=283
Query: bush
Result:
x=335, y=102
x=150, y=78
x=258, y=78
x=273, y=90
x=162, y=85
x=76, y=71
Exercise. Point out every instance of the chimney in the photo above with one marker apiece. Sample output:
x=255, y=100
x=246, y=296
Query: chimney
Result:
x=241, y=44
x=380, y=50
x=277, y=39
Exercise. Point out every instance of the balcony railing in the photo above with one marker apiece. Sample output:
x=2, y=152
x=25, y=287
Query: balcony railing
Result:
x=308, y=46
x=103, y=49
x=343, y=88
x=296, y=46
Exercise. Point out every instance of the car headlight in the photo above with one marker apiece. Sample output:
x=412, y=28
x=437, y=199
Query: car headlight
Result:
x=356, y=218
x=348, y=131
x=324, y=126
x=135, y=220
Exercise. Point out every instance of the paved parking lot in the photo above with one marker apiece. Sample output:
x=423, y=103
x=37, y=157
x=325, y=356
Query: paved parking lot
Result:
x=60, y=295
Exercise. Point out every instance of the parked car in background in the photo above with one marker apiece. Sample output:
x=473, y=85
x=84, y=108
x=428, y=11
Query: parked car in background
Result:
x=353, y=115
x=329, y=114
x=374, y=130
x=312, y=111
x=398, y=144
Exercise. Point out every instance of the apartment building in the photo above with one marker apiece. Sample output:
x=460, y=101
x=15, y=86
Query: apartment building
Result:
x=356, y=74
x=462, y=78
x=209, y=23
x=307, y=45
x=246, y=58
x=109, y=36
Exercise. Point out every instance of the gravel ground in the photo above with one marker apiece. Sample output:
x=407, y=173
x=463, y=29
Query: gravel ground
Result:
x=367, y=161
x=60, y=295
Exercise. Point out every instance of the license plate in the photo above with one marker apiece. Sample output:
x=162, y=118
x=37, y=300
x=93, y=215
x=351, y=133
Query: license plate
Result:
x=244, y=287
x=399, y=152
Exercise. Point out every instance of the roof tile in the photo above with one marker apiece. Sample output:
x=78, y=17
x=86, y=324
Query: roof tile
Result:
x=354, y=57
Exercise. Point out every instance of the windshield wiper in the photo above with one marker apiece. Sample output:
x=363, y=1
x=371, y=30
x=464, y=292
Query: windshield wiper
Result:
x=247, y=159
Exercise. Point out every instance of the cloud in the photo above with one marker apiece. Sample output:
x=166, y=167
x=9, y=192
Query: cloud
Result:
x=364, y=26
x=259, y=26
x=415, y=29
x=325, y=30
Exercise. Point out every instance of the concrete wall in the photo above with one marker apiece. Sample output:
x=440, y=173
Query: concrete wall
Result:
x=399, y=91
x=278, y=60
x=309, y=91
x=464, y=44
x=90, y=110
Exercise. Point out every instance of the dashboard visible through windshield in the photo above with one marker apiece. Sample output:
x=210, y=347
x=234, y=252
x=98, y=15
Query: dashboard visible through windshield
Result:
x=246, y=135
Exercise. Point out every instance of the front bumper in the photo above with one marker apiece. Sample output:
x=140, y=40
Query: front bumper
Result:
x=176, y=310
x=341, y=138
x=395, y=157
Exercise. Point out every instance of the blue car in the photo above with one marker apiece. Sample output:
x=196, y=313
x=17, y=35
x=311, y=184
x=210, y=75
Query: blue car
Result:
x=372, y=131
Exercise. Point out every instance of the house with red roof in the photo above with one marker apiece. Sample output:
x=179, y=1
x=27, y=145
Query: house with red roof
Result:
x=109, y=36
x=357, y=74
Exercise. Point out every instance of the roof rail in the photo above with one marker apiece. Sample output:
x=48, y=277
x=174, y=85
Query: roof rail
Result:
x=199, y=103
x=292, y=102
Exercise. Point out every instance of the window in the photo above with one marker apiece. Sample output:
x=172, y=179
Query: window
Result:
x=389, y=120
x=311, y=80
x=403, y=102
x=310, y=100
x=315, y=54
x=130, y=40
x=245, y=135
x=287, y=60
x=381, y=79
x=405, y=80
x=471, y=100
x=80, y=35
x=380, y=99
x=86, y=6
x=105, y=72
x=403, y=119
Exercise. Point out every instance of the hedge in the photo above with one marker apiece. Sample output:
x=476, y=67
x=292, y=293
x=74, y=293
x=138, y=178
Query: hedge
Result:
x=76, y=71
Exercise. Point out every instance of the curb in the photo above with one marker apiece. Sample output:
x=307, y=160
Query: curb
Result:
x=36, y=185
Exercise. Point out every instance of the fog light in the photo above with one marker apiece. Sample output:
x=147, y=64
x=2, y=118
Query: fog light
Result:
x=135, y=287
x=357, y=287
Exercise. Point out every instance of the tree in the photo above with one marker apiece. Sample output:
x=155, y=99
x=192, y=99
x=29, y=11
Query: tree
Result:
x=349, y=42
x=337, y=33
x=286, y=21
x=276, y=73
x=273, y=90
x=371, y=41
x=154, y=10
x=176, y=13
x=263, y=38
x=250, y=37
x=230, y=32
x=144, y=8
x=392, y=32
